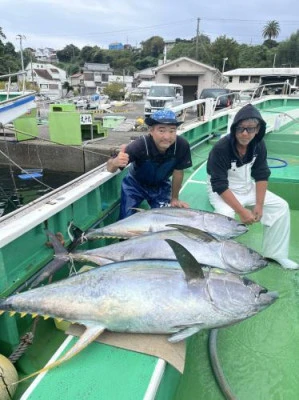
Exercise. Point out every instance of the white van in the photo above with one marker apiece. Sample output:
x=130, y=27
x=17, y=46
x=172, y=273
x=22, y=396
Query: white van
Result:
x=163, y=95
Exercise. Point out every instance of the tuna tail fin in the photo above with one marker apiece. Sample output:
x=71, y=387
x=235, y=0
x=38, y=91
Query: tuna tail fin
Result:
x=191, y=267
x=61, y=257
x=198, y=233
x=91, y=333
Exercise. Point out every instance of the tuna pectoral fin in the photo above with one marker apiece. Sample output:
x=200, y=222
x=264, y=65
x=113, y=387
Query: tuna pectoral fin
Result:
x=184, y=333
x=91, y=333
x=194, y=232
x=191, y=267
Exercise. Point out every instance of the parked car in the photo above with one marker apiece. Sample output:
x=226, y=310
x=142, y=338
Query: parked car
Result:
x=223, y=97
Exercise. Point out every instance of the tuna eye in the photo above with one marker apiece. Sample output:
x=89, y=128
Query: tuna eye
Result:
x=263, y=291
x=247, y=282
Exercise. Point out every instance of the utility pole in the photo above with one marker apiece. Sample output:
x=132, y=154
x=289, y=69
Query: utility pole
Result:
x=20, y=38
x=197, y=37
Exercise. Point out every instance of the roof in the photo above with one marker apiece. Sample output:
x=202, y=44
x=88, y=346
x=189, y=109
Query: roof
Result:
x=190, y=60
x=262, y=71
x=43, y=73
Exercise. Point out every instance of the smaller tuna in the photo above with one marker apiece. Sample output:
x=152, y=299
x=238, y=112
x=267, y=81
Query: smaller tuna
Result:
x=224, y=254
x=207, y=250
x=158, y=219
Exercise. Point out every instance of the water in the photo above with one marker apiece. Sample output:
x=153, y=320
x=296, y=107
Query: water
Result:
x=15, y=192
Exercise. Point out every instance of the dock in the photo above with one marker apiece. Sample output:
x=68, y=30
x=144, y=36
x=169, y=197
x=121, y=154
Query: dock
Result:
x=41, y=152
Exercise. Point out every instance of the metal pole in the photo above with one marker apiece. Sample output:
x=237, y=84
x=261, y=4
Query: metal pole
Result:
x=197, y=38
x=21, y=37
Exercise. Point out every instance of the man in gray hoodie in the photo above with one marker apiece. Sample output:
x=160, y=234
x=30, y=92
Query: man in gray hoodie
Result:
x=238, y=178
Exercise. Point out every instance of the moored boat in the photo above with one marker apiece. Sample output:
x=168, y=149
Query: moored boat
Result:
x=257, y=356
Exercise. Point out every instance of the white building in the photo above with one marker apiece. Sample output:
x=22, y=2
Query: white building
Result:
x=250, y=78
x=47, y=77
x=46, y=55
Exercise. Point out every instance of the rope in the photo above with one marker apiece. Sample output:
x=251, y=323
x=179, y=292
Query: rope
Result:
x=283, y=164
x=24, y=171
x=25, y=342
x=216, y=367
x=11, y=173
x=59, y=144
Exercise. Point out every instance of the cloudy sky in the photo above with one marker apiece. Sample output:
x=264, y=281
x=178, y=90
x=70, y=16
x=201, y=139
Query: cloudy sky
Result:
x=56, y=23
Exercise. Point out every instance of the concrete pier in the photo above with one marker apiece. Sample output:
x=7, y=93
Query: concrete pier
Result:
x=40, y=152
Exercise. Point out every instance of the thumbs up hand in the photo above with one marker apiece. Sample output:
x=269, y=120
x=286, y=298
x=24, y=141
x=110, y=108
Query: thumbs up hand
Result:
x=120, y=161
x=122, y=158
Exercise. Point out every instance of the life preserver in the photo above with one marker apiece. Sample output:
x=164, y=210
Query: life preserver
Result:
x=8, y=376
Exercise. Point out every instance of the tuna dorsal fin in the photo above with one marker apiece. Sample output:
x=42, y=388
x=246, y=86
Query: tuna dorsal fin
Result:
x=204, y=236
x=191, y=267
x=91, y=333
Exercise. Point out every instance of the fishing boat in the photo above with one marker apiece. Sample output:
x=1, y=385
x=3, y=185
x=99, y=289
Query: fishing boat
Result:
x=13, y=104
x=254, y=359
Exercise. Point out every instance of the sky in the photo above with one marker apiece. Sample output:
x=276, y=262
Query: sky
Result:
x=57, y=23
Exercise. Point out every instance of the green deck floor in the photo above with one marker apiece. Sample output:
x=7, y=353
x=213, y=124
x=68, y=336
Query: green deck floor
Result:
x=259, y=356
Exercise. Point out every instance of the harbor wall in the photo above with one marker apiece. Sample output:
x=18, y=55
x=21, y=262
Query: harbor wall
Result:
x=38, y=154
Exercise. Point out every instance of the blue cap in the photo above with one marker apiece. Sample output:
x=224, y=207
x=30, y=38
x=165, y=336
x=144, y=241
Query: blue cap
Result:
x=164, y=116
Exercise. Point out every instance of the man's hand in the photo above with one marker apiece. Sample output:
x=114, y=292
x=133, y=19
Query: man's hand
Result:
x=178, y=203
x=258, y=213
x=122, y=158
x=247, y=216
x=120, y=161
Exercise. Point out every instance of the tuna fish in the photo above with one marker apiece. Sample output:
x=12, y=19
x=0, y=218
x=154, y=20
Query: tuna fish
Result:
x=224, y=254
x=145, y=296
x=158, y=219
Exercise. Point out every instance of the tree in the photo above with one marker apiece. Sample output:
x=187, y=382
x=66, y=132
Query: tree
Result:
x=68, y=53
x=115, y=90
x=2, y=34
x=153, y=47
x=287, y=52
x=271, y=30
x=67, y=87
x=224, y=47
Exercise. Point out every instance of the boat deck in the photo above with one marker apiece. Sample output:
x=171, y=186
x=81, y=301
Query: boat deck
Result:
x=263, y=350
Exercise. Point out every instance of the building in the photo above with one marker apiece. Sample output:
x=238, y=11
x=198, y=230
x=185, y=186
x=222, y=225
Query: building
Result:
x=126, y=80
x=46, y=55
x=47, y=77
x=191, y=74
x=77, y=82
x=249, y=78
x=95, y=78
x=116, y=46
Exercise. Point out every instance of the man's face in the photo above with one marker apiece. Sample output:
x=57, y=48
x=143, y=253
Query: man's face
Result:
x=163, y=135
x=246, y=131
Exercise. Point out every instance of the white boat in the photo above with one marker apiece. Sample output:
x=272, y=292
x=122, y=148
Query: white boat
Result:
x=14, y=104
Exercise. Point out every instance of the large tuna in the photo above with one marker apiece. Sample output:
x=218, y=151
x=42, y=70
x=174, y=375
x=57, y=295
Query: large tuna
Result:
x=158, y=219
x=146, y=296
x=224, y=254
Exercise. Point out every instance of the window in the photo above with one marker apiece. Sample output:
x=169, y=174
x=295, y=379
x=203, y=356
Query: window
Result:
x=230, y=79
x=255, y=79
x=243, y=79
x=44, y=86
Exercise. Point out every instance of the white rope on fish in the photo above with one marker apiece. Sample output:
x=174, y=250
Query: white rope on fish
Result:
x=69, y=231
x=73, y=270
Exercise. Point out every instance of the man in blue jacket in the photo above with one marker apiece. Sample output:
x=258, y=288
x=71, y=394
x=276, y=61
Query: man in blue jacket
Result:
x=153, y=160
x=238, y=178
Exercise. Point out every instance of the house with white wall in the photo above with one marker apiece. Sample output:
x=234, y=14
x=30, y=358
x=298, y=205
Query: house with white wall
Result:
x=48, y=78
x=250, y=78
x=191, y=74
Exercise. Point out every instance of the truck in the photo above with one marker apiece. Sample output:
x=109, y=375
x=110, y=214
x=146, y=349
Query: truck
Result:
x=163, y=95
